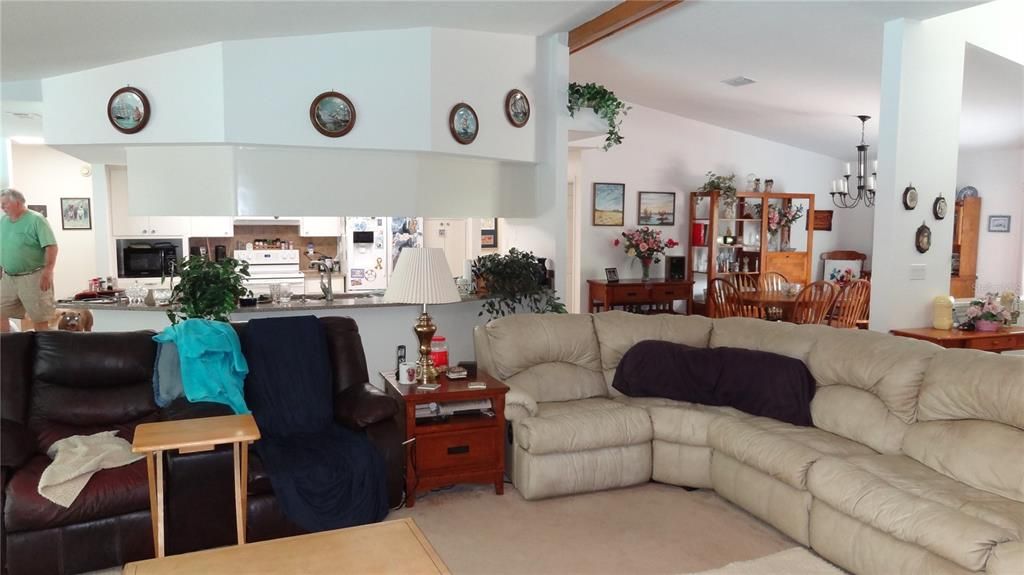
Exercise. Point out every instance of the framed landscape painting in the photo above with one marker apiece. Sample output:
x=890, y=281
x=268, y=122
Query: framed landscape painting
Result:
x=656, y=209
x=609, y=204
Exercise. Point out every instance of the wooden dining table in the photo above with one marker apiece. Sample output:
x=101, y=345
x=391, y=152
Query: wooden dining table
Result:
x=765, y=300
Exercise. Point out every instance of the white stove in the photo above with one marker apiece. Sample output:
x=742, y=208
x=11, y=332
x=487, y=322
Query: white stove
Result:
x=268, y=267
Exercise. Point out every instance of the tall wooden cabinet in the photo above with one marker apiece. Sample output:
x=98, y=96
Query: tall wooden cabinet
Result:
x=722, y=239
x=966, y=221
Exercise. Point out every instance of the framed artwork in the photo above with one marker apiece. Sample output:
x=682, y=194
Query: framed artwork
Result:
x=611, y=275
x=128, y=110
x=822, y=221
x=332, y=114
x=517, y=108
x=463, y=123
x=999, y=224
x=38, y=208
x=75, y=214
x=489, y=233
x=609, y=204
x=656, y=209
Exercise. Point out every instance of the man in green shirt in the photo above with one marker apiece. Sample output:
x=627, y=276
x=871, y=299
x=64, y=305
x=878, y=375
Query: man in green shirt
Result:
x=28, y=252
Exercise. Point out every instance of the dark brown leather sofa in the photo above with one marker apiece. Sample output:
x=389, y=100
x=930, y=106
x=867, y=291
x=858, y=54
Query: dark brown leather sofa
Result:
x=58, y=384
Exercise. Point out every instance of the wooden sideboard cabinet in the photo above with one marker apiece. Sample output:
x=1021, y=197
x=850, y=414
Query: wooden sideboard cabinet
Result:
x=654, y=295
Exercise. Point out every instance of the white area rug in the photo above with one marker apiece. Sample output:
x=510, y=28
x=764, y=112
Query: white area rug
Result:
x=795, y=561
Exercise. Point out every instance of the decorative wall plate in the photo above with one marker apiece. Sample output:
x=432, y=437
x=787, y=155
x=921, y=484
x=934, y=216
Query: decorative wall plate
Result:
x=910, y=197
x=332, y=114
x=923, y=238
x=940, y=208
x=517, y=108
x=128, y=110
x=966, y=192
x=463, y=123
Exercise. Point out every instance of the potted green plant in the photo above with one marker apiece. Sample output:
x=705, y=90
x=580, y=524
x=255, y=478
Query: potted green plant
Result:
x=207, y=289
x=604, y=103
x=723, y=185
x=513, y=282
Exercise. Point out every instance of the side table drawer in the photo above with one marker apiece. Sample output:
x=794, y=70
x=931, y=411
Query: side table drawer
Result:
x=1001, y=343
x=460, y=449
x=627, y=294
x=670, y=292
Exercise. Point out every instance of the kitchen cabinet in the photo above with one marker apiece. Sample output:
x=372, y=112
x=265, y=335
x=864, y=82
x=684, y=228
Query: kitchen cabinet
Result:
x=213, y=227
x=124, y=223
x=319, y=227
x=966, y=222
x=449, y=235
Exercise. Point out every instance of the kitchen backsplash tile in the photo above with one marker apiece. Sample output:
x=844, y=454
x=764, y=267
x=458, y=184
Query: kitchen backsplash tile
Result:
x=327, y=246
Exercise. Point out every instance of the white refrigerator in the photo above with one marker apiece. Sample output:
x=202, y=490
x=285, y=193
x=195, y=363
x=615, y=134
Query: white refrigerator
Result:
x=372, y=247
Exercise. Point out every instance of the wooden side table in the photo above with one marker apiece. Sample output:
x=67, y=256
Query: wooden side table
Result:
x=633, y=292
x=464, y=448
x=1006, y=339
x=190, y=436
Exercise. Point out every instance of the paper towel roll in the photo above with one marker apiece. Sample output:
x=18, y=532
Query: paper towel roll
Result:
x=467, y=269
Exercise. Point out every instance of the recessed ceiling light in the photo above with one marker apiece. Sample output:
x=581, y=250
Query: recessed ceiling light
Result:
x=738, y=81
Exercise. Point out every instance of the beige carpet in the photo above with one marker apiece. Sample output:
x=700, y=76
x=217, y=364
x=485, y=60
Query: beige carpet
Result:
x=650, y=528
x=795, y=561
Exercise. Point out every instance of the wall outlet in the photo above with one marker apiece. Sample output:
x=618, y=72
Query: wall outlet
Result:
x=918, y=271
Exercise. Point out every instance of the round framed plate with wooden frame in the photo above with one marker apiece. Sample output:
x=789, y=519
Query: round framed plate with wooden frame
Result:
x=910, y=197
x=940, y=208
x=128, y=110
x=517, y=108
x=463, y=123
x=332, y=114
x=923, y=238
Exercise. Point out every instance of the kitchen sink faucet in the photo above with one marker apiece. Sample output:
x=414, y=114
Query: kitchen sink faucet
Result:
x=326, y=287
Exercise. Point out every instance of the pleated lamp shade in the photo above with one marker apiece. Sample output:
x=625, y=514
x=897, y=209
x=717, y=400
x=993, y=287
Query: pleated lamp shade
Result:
x=422, y=276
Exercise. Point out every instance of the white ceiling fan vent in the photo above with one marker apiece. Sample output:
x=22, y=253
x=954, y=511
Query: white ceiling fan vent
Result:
x=738, y=81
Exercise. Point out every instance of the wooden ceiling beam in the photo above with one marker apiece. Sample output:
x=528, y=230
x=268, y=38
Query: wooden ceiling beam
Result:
x=618, y=18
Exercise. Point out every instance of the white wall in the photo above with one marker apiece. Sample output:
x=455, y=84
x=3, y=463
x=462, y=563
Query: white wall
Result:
x=667, y=153
x=45, y=176
x=997, y=174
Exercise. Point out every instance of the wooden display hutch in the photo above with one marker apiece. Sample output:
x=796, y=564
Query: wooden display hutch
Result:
x=966, y=221
x=718, y=238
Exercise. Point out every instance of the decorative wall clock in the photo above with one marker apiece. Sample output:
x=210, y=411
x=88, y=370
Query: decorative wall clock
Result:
x=463, y=123
x=940, y=208
x=128, y=110
x=332, y=114
x=923, y=239
x=517, y=108
x=910, y=197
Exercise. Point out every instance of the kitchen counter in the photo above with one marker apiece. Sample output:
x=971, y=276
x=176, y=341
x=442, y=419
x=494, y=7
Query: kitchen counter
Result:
x=342, y=301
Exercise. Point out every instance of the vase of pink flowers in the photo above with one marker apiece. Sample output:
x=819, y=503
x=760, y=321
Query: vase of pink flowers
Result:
x=780, y=217
x=646, y=245
x=987, y=314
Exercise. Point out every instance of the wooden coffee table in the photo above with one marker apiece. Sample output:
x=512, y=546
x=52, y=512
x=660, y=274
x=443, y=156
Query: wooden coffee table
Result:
x=388, y=547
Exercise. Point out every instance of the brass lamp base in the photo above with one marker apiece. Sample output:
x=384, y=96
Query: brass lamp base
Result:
x=426, y=372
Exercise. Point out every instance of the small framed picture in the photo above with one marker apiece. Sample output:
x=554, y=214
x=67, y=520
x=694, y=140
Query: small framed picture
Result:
x=656, y=209
x=489, y=233
x=611, y=275
x=609, y=204
x=75, y=214
x=999, y=224
x=463, y=123
x=517, y=108
x=38, y=208
x=332, y=114
x=128, y=110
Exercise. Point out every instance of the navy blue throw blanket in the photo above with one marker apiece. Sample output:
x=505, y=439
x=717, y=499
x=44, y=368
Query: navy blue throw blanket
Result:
x=757, y=382
x=325, y=476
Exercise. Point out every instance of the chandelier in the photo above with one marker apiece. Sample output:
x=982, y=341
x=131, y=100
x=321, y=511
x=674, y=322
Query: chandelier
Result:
x=842, y=197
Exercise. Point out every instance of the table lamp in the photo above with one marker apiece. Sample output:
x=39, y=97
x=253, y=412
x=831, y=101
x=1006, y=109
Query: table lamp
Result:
x=422, y=277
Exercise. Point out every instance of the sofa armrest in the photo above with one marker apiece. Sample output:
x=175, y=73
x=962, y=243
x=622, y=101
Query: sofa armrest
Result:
x=361, y=405
x=17, y=444
x=1006, y=559
x=518, y=404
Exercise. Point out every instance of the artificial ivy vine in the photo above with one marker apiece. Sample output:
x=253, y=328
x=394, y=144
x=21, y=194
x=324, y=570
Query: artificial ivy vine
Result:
x=605, y=105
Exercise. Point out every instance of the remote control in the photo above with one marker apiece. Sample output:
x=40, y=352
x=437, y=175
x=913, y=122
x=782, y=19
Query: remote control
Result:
x=477, y=385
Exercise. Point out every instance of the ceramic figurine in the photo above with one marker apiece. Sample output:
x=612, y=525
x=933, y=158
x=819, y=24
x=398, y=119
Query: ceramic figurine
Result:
x=746, y=264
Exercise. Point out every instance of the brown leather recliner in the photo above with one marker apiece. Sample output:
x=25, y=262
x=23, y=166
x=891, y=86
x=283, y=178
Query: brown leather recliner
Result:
x=58, y=384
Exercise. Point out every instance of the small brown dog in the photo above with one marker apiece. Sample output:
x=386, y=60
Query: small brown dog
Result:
x=74, y=320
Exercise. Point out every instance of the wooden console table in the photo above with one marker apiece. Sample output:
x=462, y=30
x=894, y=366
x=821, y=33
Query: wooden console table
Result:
x=189, y=436
x=634, y=292
x=1006, y=339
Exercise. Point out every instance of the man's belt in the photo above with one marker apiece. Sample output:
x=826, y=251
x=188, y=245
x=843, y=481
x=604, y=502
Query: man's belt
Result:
x=29, y=272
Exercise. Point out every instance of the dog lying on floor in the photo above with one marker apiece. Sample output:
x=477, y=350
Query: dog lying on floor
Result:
x=74, y=320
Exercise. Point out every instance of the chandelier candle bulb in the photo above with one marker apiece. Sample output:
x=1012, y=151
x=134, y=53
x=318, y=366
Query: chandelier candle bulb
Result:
x=874, y=165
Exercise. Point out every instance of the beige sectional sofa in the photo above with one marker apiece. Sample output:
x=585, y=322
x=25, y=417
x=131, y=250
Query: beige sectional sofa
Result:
x=915, y=463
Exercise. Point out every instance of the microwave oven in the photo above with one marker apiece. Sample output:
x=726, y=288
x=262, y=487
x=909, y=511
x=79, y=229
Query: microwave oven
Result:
x=148, y=259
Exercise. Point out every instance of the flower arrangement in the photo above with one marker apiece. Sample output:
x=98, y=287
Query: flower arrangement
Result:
x=646, y=245
x=989, y=313
x=779, y=217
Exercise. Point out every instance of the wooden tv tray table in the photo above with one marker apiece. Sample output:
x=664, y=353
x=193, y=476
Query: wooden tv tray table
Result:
x=388, y=547
x=189, y=436
x=466, y=448
x=1006, y=339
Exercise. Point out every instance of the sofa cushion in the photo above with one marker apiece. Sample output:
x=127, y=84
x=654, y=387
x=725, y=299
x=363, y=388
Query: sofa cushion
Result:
x=985, y=455
x=969, y=384
x=551, y=357
x=618, y=331
x=109, y=493
x=786, y=339
x=873, y=425
x=778, y=449
x=901, y=497
x=688, y=422
x=583, y=429
x=551, y=408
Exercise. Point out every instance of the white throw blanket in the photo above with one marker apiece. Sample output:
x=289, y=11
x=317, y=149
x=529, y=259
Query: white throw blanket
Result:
x=76, y=459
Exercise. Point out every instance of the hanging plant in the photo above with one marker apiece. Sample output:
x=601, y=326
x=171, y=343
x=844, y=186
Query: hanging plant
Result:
x=605, y=105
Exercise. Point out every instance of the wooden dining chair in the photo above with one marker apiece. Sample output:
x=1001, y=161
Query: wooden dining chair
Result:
x=814, y=302
x=851, y=304
x=723, y=299
x=772, y=282
x=747, y=285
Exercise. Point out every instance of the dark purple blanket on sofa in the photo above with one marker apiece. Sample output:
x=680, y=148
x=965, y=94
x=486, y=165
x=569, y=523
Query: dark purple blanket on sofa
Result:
x=757, y=382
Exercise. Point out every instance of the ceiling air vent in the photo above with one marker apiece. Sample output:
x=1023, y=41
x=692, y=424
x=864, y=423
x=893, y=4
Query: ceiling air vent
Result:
x=738, y=81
